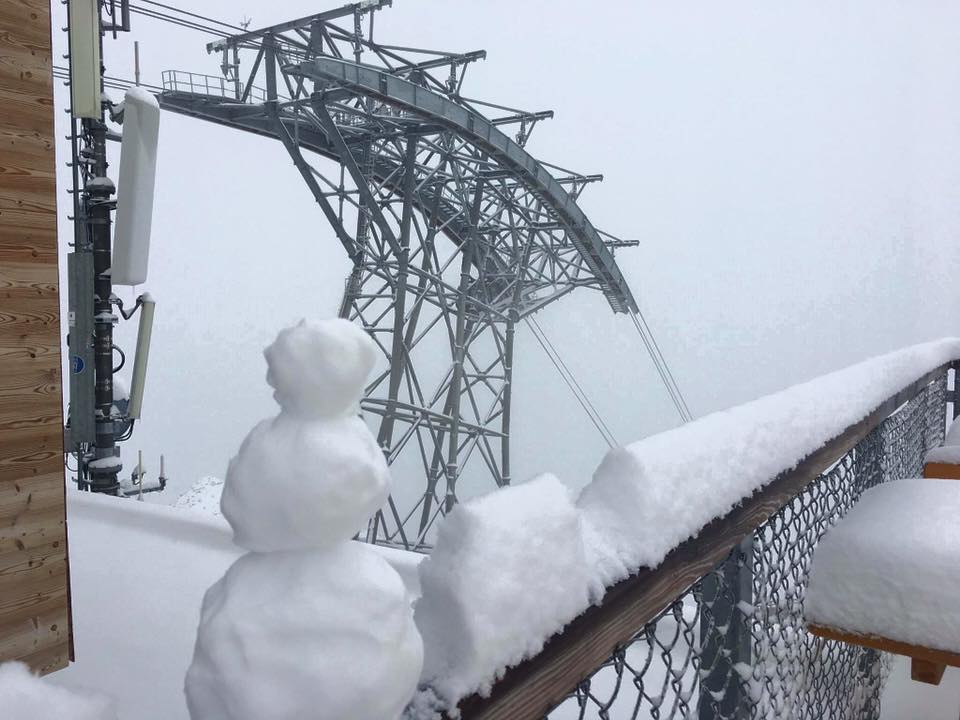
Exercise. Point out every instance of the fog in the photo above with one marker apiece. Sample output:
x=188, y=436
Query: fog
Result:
x=791, y=170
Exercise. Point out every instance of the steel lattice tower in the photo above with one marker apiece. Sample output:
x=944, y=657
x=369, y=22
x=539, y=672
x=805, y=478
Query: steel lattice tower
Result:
x=454, y=231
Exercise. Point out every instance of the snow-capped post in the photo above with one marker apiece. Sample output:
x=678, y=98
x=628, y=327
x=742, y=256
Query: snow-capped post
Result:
x=309, y=623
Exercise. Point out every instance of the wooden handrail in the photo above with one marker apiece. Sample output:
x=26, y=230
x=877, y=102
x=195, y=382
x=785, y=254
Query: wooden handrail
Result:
x=528, y=691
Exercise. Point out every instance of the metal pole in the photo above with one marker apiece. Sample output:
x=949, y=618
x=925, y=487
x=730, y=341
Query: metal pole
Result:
x=136, y=62
x=99, y=192
x=506, y=403
x=725, y=639
x=398, y=351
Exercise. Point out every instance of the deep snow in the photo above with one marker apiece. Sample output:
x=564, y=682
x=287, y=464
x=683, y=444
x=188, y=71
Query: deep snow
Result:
x=507, y=572
x=138, y=574
x=291, y=635
x=643, y=501
x=650, y=496
x=890, y=567
x=24, y=696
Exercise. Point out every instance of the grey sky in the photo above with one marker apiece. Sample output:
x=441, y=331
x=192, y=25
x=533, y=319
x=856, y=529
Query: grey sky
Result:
x=790, y=169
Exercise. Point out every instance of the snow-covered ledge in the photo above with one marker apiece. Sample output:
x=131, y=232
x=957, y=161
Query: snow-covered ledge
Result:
x=558, y=555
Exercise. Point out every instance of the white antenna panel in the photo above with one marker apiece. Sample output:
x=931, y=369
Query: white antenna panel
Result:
x=138, y=172
x=85, y=58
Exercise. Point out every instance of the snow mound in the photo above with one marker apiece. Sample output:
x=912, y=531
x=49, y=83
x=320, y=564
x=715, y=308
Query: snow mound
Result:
x=277, y=641
x=889, y=568
x=507, y=572
x=318, y=368
x=948, y=455
x=24, y=696
x=296, y=484
x=204, y=496
x=512, y=568
x=949, y=452
x=647, y=498
x=953, y=434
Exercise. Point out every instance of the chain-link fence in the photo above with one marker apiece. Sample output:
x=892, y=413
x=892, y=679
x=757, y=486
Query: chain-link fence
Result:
x=734, y=646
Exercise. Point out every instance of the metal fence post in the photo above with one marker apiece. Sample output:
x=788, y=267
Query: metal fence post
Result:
x=952, y=396
x=725, y=638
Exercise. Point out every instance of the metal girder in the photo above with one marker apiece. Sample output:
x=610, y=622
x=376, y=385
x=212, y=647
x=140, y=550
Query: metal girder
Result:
x=466, y=123
x=455, y=232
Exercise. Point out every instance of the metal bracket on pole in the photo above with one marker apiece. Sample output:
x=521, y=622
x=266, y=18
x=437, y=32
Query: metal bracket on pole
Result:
x=80, y=343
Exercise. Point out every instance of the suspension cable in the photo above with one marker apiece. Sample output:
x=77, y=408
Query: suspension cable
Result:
x=571, y=382
x=660, y=363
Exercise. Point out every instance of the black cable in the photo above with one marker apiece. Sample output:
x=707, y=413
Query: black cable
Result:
x=189, y=24
x=123, y=360
x=63, y=73
x=195, y=15
x=129, y=432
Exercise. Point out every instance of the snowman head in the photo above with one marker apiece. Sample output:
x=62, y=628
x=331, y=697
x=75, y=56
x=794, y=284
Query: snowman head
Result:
x=318, y=369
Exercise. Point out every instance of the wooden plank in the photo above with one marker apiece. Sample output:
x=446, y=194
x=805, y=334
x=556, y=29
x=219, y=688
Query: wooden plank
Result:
x=42, y=626
x=928, y=663
x=531, y=689
x=34, y=588
x=49, y=659
x=926, y=672
x=41, y=280
x=23, y=319
x=31, y=19
x=30, y=452
x=943, y=471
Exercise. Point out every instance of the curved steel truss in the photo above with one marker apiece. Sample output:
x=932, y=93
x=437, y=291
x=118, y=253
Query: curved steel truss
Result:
x=454, y=231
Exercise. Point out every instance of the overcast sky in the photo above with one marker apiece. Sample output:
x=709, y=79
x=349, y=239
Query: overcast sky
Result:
x=791, y=169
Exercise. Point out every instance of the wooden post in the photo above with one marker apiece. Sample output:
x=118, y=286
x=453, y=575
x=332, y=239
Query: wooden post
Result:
x=34, y=587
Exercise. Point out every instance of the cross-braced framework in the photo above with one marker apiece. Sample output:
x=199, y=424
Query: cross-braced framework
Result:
x=454, y=231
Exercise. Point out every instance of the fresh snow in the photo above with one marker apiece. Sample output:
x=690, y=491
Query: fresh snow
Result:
x=949, y=452
x=140, y=609
x=953, y=435
x=289, y=485
x=203, y=496
x=889, y=567
x=507, y=572
x=318, y=369
x=306, y=634
x=643, y=501
x=309, y=624
x=23, y=696
x=647, y=498
x=313, y=474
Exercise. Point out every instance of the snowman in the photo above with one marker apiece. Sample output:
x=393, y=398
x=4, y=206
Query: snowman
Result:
x=308, y=624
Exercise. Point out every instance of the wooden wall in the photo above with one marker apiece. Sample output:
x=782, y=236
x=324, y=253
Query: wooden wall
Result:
x=34, y=600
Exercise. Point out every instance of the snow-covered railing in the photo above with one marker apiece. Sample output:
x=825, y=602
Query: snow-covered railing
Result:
x=704, y=569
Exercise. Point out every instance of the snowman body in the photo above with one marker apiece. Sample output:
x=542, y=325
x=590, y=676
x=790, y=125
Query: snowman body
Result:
x=309, y=624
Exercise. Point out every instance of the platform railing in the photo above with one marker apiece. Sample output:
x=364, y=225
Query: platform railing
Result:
x=215, y=86
x=717, y=630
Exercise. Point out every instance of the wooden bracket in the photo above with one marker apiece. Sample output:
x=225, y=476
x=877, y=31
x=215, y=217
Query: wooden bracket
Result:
x=927, y=664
